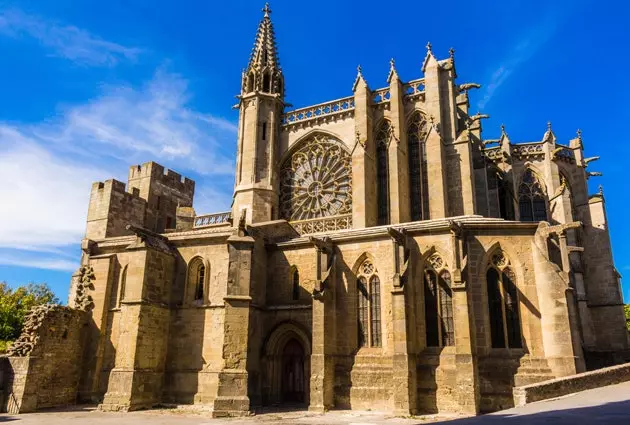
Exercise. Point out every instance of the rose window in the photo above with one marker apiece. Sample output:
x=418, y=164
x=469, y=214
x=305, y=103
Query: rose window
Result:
x=315, y=181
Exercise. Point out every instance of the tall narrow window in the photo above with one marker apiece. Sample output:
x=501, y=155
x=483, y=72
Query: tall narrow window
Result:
x=123, y=284
x=296, y=284
x=264, y=131
x=438, y=303
x=505, y=324
x=375, y=310
x=266, y=83
x=382, y=174
x=362, y=303
x=369, y=306
x=531, y=198
x=416, y=135
x=196, y=279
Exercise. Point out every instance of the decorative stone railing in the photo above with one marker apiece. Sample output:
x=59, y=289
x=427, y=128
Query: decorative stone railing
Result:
x=326, y=224
x=324, y=111
x=213, y=219
x=381, y=95
x=528, y=151
x=414, y=89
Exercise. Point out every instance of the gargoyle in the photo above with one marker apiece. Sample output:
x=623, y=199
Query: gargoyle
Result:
x=467, y=86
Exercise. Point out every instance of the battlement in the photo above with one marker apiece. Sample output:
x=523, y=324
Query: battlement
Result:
x=113, y=185
x=156, y=172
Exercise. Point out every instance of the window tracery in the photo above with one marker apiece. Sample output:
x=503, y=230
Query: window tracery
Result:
x=316, y=180
x=383, y=137
x=505, y=326
x=369, y=305
x=417, y=131
x=438, y=303
x=531, y=198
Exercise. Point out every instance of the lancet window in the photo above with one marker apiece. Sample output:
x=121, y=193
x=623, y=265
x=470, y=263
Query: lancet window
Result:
x=418, y=180
x=369, y=305
x=295, y=282
x=505, y=324
x=383, y=137
x=438, y=303
x=196, y=279
x=498, y=183
x=316, y=180
x=531, y=198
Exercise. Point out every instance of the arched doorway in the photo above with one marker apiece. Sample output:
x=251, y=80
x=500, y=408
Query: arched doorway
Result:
x=293, y=385
x=286, y=366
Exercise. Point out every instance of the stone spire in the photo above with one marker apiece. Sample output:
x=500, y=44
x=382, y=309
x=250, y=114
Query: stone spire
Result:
x=263, y=72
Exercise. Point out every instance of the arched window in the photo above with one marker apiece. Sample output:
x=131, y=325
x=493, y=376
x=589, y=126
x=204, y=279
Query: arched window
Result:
x=197, y=279
x=369, y=305
x=295, y=281
x=266, y=82
x=123, y=284
x=382, y=175
x=531, y=198
x=438, y=303
x=250, y=82
x=567, y=197
x=418, y=181
x=500, y=192
x=505, y=324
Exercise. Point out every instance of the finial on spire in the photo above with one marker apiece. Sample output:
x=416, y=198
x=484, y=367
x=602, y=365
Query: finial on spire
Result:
x=429, y=46
x=579, y=134
x=548, y=125
x=502, y=128
x=267, y=10
x=359, y=69
x=601, y=190
x=392, y=63
x=451, y=53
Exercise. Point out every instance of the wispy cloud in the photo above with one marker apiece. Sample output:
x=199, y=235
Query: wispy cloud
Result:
x=48, y=167
x=65, y=41
x=528, y=44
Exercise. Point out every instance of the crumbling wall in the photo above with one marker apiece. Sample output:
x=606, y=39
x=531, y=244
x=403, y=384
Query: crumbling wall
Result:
x=45, y=362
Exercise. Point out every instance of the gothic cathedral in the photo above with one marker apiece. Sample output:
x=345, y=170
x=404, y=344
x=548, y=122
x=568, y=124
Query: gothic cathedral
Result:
x=380, y=253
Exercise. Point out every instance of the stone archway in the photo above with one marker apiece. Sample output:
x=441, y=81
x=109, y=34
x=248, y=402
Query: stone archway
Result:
x=286, y=365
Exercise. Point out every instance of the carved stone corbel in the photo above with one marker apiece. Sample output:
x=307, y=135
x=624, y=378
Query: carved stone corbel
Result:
x=325, y=263
x=402, y=255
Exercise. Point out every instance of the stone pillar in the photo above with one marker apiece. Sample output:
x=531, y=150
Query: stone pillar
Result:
x=404, y=365
x=232, y=397
x=363, y=159
x=398, y=166
x=323, y=338
x=137, y=378
x=436, y=161
x=466, y=363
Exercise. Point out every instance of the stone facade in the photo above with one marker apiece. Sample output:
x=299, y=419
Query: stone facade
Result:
x=379, y=254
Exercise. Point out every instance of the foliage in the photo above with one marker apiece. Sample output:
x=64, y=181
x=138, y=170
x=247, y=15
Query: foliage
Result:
x=15, y=303
x=626, y=309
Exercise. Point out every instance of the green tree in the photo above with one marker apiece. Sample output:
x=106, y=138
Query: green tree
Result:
x=15, y=303
x=626, y=309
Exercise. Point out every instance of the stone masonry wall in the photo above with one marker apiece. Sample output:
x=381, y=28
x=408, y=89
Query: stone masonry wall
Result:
x=48, y=375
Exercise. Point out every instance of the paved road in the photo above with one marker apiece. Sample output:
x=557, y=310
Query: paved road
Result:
x=608, y=405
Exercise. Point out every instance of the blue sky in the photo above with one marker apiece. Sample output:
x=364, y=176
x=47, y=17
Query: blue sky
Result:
x=89, y=88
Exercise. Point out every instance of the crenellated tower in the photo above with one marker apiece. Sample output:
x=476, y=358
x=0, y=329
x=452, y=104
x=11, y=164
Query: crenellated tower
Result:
x=260, y=108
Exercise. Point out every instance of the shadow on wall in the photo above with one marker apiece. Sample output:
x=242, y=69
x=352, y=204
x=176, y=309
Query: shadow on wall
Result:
x=609, y=414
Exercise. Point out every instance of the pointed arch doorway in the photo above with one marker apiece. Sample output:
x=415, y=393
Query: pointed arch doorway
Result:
x=286, y=363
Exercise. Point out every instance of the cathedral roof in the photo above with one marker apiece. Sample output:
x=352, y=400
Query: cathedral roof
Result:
x=265, y=52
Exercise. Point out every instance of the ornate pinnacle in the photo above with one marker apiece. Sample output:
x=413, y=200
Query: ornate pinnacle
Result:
x=601, y=190
x=429, y=46
x=548, y=125
x=579, y=134
x=267, y=10
x=451, y=53
x=358, y=69
x=502, y=128
x=392, y=63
